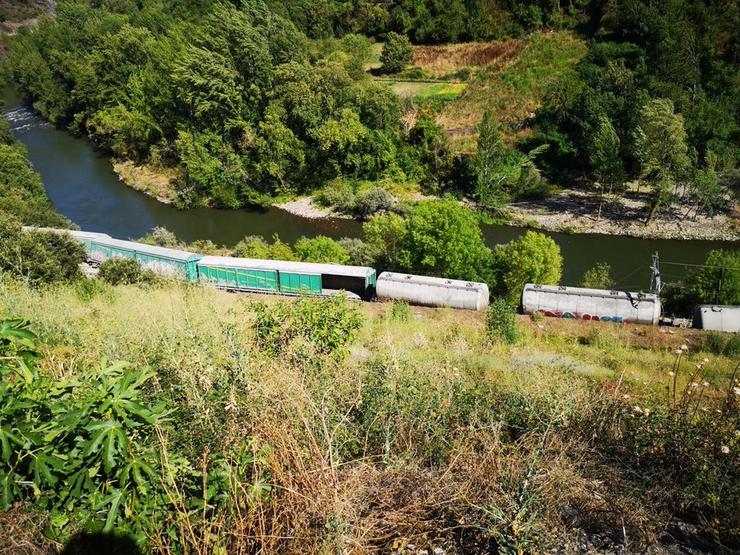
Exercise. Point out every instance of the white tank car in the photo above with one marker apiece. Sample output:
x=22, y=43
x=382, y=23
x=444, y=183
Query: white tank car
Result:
x=431, y=291
x=591, y=304
x=717, y=318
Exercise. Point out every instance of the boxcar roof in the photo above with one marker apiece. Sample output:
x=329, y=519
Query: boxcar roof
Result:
x=73, y=232
x=432, y=281
x=161, y=252
x=285, y=266
x=561, y=289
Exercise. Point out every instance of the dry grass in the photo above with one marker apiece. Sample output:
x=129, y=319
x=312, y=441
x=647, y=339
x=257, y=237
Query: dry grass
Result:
x=431, y=466
x=513, y=87
x=157, y=183
x=448, y=58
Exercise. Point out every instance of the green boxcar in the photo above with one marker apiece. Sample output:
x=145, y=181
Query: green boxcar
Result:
x=306, y=284
x=239, y=278
x=170, y=262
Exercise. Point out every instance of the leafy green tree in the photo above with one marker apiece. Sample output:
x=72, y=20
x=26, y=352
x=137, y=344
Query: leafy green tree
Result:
x=397, y=52
x=40, y=257
x=598, y=277
x=606, y=159
x=661, y=149
x=360, y=253
x=706, y=190
x=321, y=249
x=439, y=238
x=386, y=234
x=721, y=271
x=533, y=258
x=22, y=193
x=490, y=163
x=252, y=246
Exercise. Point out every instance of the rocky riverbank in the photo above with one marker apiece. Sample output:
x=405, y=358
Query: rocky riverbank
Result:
x=307, y=207
x=574, y=211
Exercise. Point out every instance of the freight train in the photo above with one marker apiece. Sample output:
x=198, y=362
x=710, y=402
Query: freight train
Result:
x=304, y=278
x=284, y=277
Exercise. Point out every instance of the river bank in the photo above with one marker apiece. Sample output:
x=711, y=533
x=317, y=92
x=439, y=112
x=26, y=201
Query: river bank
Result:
x=572, y=211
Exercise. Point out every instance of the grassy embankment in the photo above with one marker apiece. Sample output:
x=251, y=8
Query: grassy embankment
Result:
x=424, y=434
x=510, y=78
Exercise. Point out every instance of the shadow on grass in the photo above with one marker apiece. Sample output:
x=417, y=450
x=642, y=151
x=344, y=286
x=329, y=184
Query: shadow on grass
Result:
x=86, y=543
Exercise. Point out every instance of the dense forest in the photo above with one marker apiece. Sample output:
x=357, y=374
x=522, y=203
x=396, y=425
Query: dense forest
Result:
x=250, y=100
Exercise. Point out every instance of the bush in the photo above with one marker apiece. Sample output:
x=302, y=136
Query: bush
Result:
x=501, y=322
x=598, y=277
x=253, y=246
x=124, y=271
x=372, y=201
x=86, y=449
x=401, y=311
x=533, y=258
x=360, y=253
x=321, y=249
x=721, y=344
x=328, y=325
x=163, y=237
x=40, y=256
x=339, y=194
x=397, y=52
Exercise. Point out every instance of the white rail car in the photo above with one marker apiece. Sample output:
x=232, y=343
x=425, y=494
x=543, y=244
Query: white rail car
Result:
x=591, y=304
x=717, y=318
x=432, y=291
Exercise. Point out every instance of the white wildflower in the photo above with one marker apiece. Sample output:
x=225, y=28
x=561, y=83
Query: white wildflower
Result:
x=684, y=347
x=725, y=449
x=671, y=373
x=637, y=410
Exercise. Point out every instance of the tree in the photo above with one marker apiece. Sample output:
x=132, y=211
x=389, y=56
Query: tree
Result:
x=120, y=271
x=360, y=253
x=439, y=238
x=533, y=258
x=606, y=160
x=252, y=246
x=661, y=149
x=598, y=277
x=489, y=163
x=41, y=257
x=706, y=189
x=397, y=52
x=321, y=249
x=718, y=280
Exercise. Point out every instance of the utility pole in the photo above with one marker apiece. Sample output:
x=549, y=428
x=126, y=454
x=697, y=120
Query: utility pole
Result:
x=656, y=284
x=719, y=283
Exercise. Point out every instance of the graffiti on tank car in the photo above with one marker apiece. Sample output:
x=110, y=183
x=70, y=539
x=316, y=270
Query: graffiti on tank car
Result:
x=585, y=316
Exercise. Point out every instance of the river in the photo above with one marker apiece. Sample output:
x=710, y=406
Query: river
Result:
x=82, y=185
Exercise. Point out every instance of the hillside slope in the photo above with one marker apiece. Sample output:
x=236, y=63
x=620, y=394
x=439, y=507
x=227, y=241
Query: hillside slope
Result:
x=379, y=427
